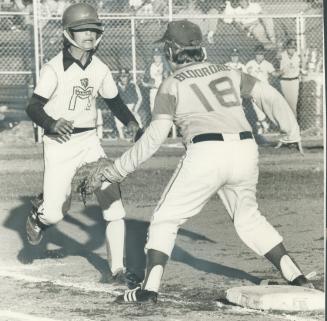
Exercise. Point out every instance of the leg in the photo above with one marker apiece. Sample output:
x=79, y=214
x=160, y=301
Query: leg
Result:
x=290, y=90
x=290, y=271
x=109, y=200
x=268, y=24
x=56, y=197
x=259, y=32
x=185, y=195
x=253, y=228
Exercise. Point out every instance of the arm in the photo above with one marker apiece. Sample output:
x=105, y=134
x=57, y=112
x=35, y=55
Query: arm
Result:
x=155, y=134
x=139, y=98
x=37, y=114
x=120, y=110
x=153, y=137
x=35, y=109
x=277, y=110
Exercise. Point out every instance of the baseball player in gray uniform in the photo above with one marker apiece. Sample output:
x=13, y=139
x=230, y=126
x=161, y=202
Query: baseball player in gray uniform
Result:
x=204, y=101
x=63, y=104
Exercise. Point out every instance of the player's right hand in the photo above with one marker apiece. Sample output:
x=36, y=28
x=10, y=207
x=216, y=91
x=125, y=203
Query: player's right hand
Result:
x=63, y=128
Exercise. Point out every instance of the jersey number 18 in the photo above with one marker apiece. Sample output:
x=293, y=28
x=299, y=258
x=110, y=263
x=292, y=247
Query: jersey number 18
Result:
x=227, y=97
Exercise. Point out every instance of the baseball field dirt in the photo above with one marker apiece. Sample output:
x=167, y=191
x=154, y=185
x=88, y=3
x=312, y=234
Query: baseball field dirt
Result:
x=65, y=277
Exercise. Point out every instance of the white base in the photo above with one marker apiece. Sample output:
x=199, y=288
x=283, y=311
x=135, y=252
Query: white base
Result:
x=277, y=297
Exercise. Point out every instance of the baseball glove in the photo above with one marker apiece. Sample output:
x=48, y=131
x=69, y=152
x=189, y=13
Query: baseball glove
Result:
x=88, y=178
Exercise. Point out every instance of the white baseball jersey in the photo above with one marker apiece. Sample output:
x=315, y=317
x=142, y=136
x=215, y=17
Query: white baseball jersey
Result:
x=156, y=73
x=248, y=16
x=290, y=66
x=212, y=105
x=236, y=66
x=72, y=93
x=260, y=71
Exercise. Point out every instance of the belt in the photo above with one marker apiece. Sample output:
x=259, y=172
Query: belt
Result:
x=294, y=78
x=76, y=130
x=220, y=137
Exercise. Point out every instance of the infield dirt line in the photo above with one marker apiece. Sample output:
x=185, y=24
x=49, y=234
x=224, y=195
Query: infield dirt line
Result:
x=107, y=288
x=18, y=316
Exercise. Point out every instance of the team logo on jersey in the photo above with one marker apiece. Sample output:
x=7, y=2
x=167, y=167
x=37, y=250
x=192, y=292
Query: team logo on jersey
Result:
x=82, y=95
x=85, y=82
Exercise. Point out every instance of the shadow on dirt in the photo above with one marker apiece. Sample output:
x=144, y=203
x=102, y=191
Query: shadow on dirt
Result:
x=135, y=256
x=136, y=233
x=68, y=246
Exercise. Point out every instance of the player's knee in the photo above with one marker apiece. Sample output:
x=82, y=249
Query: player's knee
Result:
x=114, y=212
x=247, y=221
x=51, y=217
x=162, y=231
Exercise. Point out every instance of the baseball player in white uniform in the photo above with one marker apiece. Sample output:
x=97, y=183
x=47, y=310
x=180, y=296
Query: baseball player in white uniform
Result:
x=63, y=104
x=290, y=72
x=221, y=157
x=234, y=62
x=156, y=75
x=131, y=95
x=261, y=69
x=247, y=15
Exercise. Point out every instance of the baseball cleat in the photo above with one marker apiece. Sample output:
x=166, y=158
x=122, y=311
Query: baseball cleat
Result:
x=34, y=231
x=137, y=296
x=301, y=280
x=118, y=277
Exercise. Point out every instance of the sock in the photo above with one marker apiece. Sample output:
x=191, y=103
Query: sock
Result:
x=279, y=257
x=156, y=262
x=115, y=239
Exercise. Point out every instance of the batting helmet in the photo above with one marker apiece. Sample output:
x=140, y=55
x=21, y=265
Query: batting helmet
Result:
x=81, y=16
x=182, y=36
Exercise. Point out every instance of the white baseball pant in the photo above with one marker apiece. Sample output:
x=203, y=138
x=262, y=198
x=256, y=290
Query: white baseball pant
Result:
x=229, y=168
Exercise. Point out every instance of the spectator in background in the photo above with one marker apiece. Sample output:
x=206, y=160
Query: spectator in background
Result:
x=262, y=69
x=216, y=7
x=246, y=16
x=141, y=7
x=131, y=96
x=53, y=8
x=194, y=8
x=289, y=74
x=155, y=74
x=259, y=67
x=234, y=62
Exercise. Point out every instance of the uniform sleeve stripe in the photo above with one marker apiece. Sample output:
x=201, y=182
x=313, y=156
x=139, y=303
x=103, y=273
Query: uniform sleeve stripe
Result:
x=165, y=104
x=247, y=84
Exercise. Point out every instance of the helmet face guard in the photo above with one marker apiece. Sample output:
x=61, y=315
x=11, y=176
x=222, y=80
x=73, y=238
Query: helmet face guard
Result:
x=172, y=50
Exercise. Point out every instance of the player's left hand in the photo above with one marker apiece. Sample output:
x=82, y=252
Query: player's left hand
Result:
x=297, y=144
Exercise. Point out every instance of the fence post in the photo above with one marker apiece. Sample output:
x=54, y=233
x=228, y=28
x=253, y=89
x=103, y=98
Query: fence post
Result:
x=170, y=10
x=133, y=49
x=37, y=58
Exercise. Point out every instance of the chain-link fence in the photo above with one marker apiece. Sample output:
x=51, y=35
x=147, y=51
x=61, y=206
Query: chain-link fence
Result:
x=131, y=27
